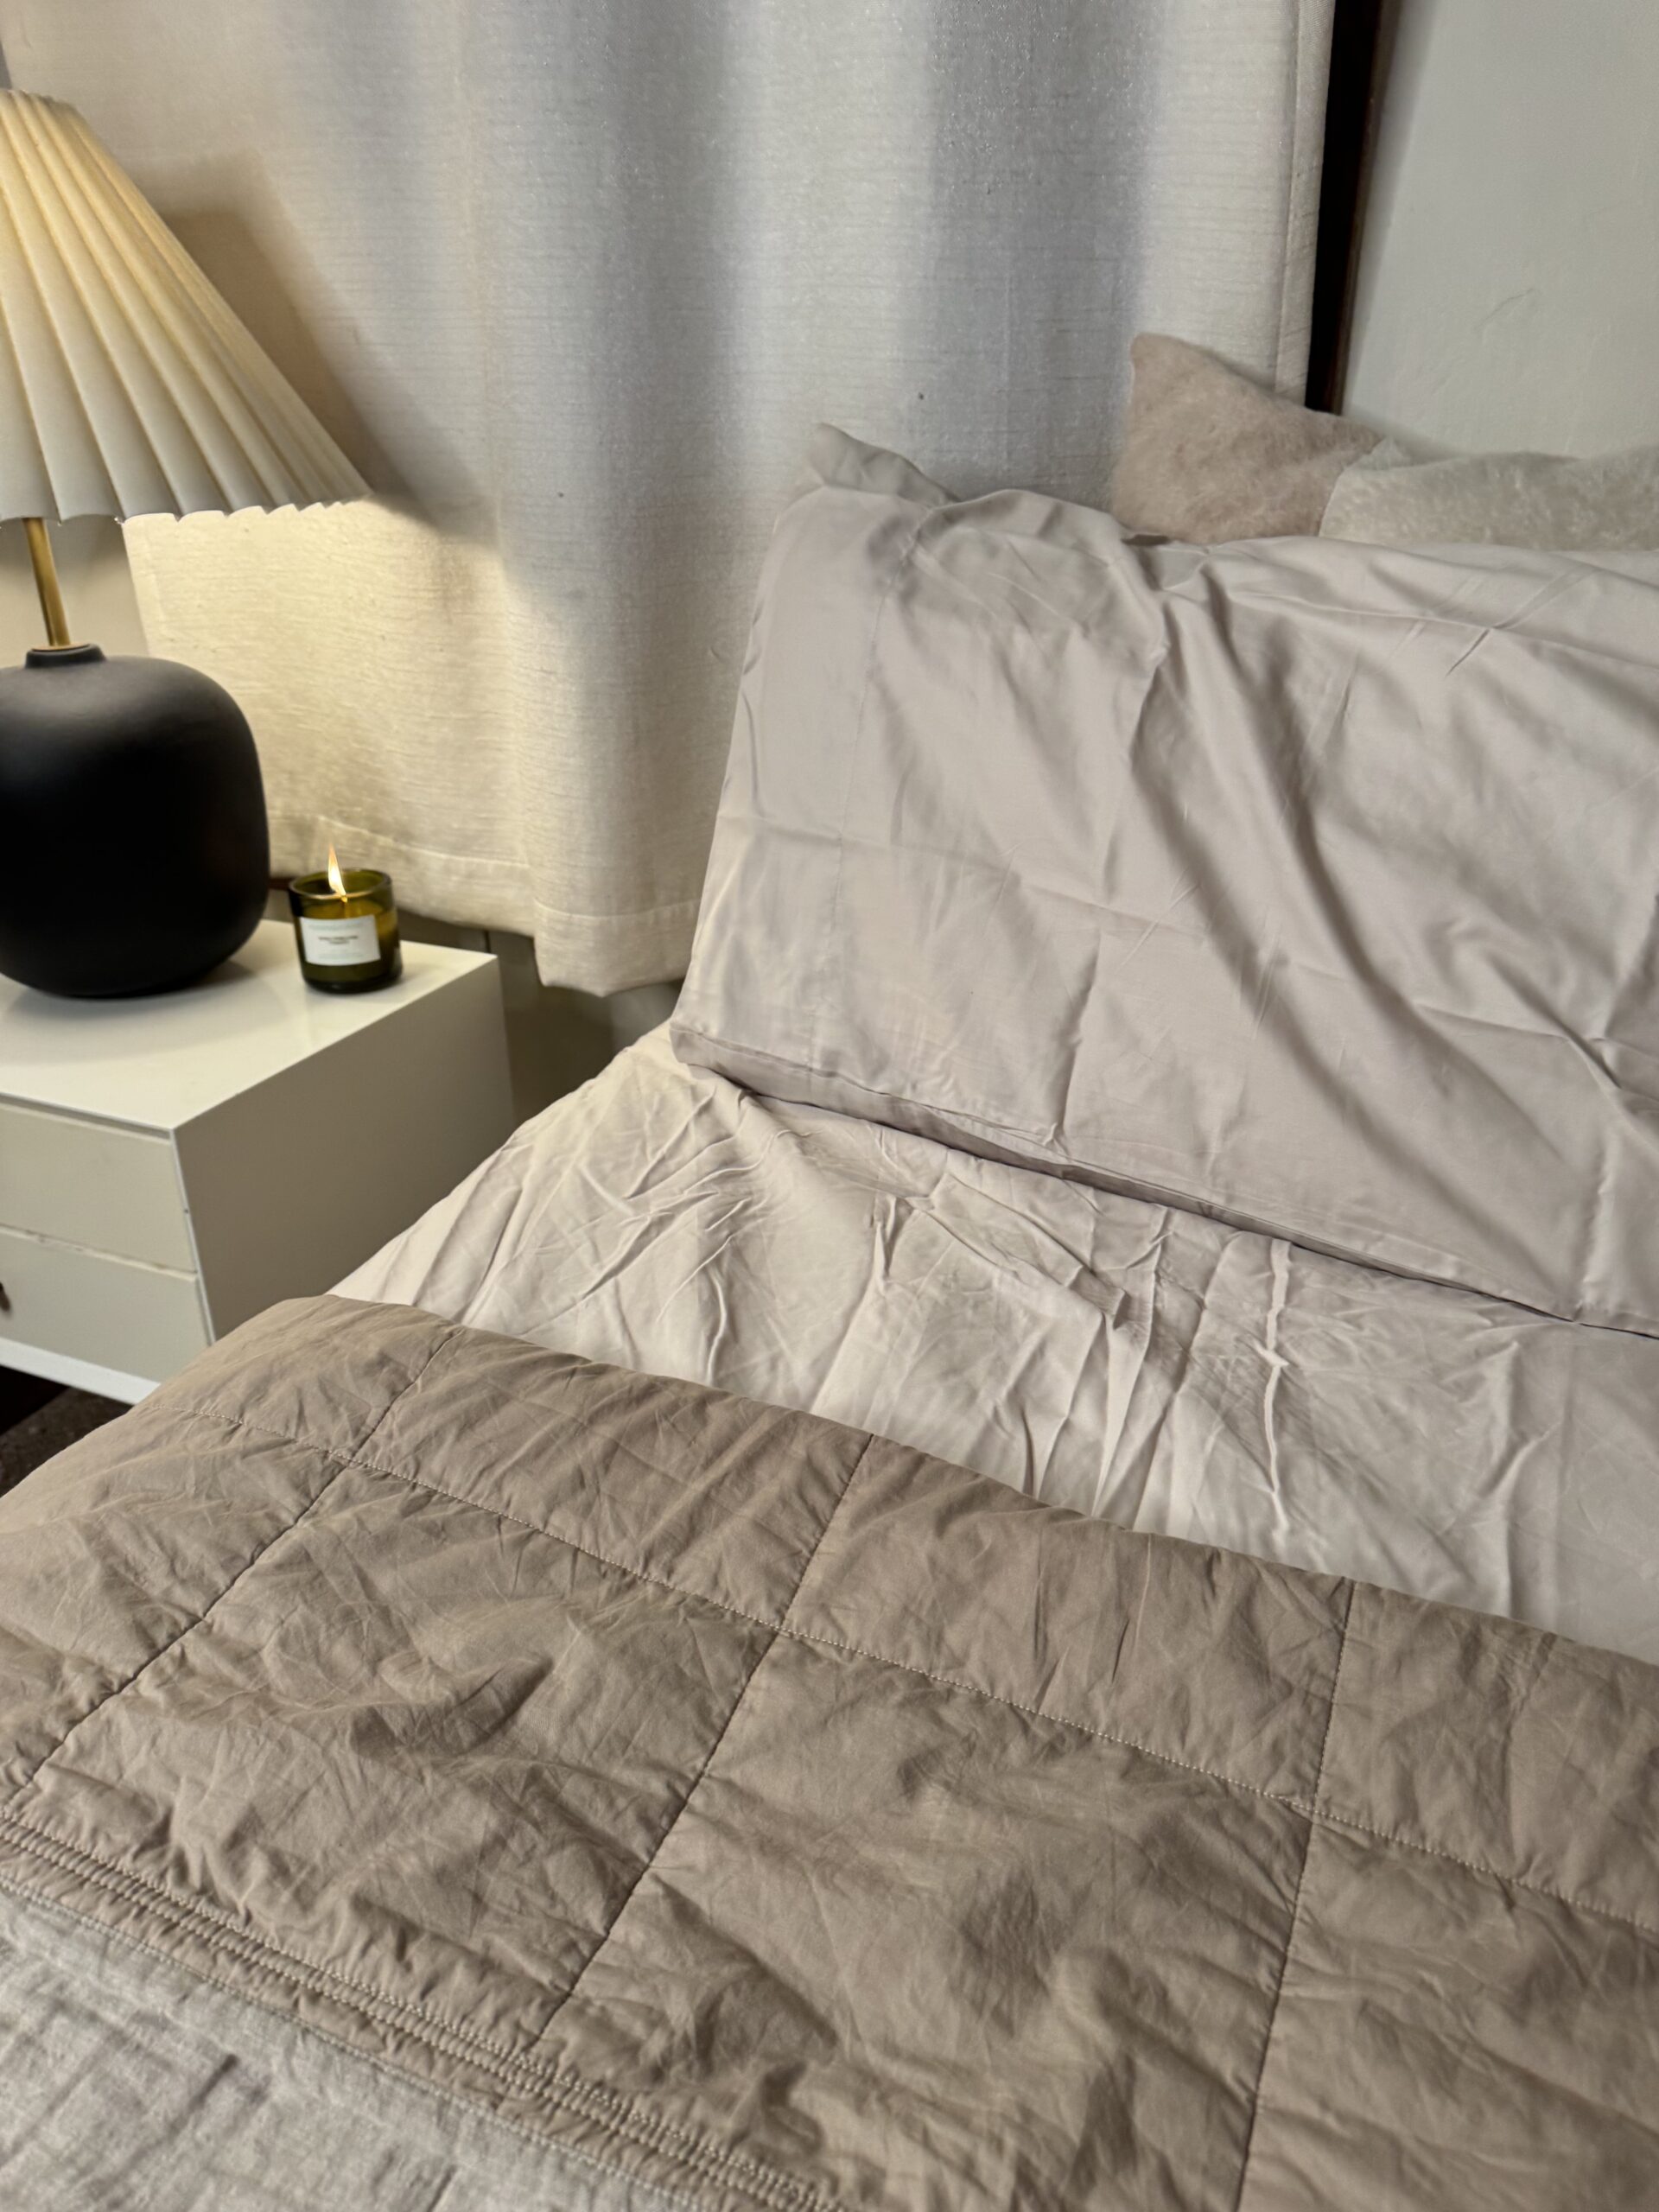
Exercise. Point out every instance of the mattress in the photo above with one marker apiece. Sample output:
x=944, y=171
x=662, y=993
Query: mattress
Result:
x=1137, y=1362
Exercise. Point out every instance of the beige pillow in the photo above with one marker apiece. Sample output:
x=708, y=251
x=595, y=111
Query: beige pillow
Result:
x=1209, y=456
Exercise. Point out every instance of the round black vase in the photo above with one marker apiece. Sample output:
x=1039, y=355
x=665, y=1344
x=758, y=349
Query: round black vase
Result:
x=134, y=853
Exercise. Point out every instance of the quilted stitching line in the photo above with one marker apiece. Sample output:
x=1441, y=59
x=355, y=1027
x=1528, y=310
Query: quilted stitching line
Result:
x=1295, y=1912
x=684, y=1805
x=513, y=1520
x=120, y=1689
x=603, y=2106
x=1037, y=1712
x=342, y=1462
x=1332, y=1818
x=777, y=1627
x=218, y=1926
x=538, y=2137
x=1294, y=1804
x=660, y=1847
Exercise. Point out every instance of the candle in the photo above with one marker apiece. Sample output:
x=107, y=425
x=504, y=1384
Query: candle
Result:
x=346, y=921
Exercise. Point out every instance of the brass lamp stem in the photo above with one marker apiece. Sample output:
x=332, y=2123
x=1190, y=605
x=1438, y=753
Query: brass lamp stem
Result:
x=45, y=581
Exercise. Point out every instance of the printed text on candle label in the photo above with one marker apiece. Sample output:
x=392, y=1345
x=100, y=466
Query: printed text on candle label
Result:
x=348, y=943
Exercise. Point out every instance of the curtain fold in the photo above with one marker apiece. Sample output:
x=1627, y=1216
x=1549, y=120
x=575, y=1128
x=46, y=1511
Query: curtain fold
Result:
x=571, y=280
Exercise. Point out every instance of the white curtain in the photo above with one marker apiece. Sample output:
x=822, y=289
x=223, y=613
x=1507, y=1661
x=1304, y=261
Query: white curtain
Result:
x=571, y=280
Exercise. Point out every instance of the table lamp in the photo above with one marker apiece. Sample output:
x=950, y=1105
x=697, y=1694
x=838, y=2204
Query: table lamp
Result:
x=134, y=853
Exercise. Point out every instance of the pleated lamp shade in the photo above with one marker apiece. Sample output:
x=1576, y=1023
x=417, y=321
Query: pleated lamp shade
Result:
x=127, y=386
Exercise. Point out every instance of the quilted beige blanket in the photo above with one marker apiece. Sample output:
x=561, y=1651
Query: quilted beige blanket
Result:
x=652, y=1796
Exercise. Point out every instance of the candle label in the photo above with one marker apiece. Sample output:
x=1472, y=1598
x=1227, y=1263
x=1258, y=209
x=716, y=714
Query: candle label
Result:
x=347, y=942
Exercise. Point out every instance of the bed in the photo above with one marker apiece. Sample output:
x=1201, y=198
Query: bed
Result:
x=1014, y=1567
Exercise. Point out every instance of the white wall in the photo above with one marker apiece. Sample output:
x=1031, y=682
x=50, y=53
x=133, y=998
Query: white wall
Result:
x=1509, y=281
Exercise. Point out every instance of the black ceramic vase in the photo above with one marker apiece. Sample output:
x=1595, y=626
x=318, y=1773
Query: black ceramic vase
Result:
x=134, y=853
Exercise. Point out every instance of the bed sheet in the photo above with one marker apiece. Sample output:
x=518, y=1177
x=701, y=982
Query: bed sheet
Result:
x=1131, y=1361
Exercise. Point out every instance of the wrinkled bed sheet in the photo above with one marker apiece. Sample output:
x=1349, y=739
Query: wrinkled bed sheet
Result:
x=1132, y=1361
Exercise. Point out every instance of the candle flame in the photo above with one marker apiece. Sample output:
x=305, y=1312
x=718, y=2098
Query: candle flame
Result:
x=336, y=881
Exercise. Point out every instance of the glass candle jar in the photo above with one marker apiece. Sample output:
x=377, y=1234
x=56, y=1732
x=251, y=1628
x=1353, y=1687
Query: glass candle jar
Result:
x=348, y=944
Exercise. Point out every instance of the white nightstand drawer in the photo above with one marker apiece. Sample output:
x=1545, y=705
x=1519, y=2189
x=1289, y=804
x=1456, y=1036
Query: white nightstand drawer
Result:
x=249, y=1138
x=116, y=1190
x=114, y=1313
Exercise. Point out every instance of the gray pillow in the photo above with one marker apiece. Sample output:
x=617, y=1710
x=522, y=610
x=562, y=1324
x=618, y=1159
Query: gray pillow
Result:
x=1306, y=884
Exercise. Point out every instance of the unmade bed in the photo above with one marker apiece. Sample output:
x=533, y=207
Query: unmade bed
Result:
x=586, y=1716
x=1130, y=1360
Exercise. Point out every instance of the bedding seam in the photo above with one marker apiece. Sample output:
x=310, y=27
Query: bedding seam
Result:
x=501, y=1513
x=685, y=1806
x=1291, y=1804
x=756, y=1620
x=1295, y=1906
x=1333, y=1818
x=219, y=1927
x=1318, y=1232
x=451, y=2040
x=400, y=2075
x=342, y=1463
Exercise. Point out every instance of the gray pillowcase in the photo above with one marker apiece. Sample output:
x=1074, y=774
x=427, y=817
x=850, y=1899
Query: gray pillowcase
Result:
x=1302, y=883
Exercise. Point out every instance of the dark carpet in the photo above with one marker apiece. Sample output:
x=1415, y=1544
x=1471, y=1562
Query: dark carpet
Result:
x=37, y=1419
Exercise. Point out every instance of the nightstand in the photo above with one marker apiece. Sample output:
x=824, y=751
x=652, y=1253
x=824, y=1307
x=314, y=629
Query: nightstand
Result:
x=170, y=1165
